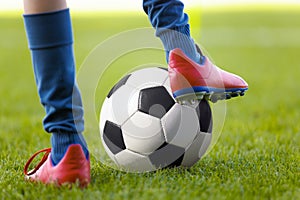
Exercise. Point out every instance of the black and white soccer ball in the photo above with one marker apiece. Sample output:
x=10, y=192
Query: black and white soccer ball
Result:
x=143, y=129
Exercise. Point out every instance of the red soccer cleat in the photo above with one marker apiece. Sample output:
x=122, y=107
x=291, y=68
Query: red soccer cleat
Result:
x=190, y=80
x=73, y=168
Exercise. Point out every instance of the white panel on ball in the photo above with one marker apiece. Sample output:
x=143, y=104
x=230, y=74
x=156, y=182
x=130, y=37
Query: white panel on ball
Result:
x=124, y=103
x=133, y=162
x=180, y=125
x=205, y=145
x=142, y=133
x=147, y=77
x=196, y=150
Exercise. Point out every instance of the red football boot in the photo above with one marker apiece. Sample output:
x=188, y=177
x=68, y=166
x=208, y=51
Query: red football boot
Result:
x=73, y=168
x=190, y=80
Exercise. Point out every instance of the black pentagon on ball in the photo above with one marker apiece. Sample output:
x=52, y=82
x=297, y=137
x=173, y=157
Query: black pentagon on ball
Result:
x=118, y=85
x=113, y=137
x=167, y=155
x=205, y=116
x=155, y=101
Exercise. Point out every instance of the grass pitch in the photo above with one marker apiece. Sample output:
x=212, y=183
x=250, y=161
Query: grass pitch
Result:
x=257, y=155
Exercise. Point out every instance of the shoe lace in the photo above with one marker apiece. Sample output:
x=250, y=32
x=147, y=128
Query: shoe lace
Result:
x=44, y=158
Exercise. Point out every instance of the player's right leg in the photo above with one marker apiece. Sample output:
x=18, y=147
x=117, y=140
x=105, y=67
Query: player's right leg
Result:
x=49, y=34
x=192, y=75
x=194, y=81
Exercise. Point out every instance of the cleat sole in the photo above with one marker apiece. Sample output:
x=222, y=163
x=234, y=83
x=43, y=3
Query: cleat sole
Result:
x=213, y=96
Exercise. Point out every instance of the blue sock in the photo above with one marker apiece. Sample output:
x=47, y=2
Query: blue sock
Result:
x=179, y=37
x=60, y=143
x=50, y=40
x=171, y=25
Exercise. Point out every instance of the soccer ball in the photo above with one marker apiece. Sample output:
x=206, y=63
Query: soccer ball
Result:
x=142, y=128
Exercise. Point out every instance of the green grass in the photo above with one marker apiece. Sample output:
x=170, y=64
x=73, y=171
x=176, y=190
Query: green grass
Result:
x=257, y=155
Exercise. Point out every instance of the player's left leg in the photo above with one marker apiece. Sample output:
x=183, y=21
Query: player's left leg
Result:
x=190, y=71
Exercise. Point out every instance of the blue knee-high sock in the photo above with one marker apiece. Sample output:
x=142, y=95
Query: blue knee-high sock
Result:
x=179, y=37
x=171, y=25
x=50, y=40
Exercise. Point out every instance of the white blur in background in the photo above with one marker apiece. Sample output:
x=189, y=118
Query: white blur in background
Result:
x=108, y=5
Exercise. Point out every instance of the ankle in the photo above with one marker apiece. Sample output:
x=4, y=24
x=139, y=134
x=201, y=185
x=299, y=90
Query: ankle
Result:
x=61, y=141
x=179, y=37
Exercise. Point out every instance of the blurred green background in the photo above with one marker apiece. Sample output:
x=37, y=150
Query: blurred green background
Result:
x=257, y=155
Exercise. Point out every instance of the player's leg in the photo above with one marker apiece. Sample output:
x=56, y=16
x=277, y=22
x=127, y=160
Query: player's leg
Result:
x=50, y=38
x=36, y=6
x=171, y=25
x=190, y=72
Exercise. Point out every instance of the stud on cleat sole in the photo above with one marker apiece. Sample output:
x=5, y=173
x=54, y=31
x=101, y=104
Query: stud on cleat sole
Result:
x=234, y=94
x=192, y=98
